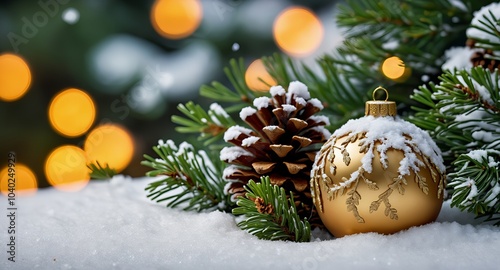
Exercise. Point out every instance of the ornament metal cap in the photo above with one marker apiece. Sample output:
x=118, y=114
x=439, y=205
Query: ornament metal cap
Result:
x=380, y=107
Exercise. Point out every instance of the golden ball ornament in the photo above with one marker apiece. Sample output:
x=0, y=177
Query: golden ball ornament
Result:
x=378, y=173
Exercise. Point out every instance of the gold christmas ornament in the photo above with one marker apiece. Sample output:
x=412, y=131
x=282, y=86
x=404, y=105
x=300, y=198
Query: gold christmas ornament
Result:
x=378, y=173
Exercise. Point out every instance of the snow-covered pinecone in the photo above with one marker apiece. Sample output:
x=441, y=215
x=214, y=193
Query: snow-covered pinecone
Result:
x=483, y=58
x=282, y=143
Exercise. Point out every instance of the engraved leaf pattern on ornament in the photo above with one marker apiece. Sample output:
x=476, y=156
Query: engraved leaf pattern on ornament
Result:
x=352, y=202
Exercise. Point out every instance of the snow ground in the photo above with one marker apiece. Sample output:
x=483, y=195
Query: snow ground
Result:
x=112, y=225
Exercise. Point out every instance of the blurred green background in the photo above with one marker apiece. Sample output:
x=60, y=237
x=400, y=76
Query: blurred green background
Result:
x=135, y=75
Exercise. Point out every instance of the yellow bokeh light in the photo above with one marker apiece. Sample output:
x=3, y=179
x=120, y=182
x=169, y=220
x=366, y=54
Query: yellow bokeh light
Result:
x=15, y=77
x=255, y=71
x=66, y=168
x=72, y=112
x=394, y=68
x=176, y=19
x=298, y=31
x=25, y=183
x=110, y=144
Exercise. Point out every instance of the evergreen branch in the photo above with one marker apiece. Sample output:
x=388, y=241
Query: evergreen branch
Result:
x=281, y=68
x=488, y=24
x=477, y=184
x=211, y=124
x=464, y=119
x=408, y=21
x=218, y=91
x=418, y=32
x=465, y=112
x=236, y=75
x=192, y=180
x=343, y=96
x=344, y=79
x=342, y=100
x=270, y=214
x=97, y=171
x=347, y=94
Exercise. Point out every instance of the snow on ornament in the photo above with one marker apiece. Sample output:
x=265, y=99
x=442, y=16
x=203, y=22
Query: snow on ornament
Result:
x=378, y=173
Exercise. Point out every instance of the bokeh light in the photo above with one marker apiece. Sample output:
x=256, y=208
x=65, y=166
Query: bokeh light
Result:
x=66, y=168
x=394, y=68
x=71, y=15
x=72, y=112
x=25, y=180
x=176, y=19
x=298, y=31
x=255, y=71
x=15, y=77
x=110, y=144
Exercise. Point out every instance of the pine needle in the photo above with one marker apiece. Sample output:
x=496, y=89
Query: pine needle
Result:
x=270, y=214
x=463, y=117
x=97, y=171
x=192, y=180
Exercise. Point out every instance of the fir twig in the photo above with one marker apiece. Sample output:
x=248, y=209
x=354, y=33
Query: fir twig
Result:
x=342, y=96
x=97, y=171
x=417, y=26
x=464, y=111
x=477, y=184
x=242, y=94
x=191, y=179
x=488, y=24
x=464, y=119
x=270, y=214
x=210, y=124
x=418, y=32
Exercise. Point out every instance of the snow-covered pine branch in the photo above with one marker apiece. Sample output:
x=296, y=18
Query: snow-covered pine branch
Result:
x=464, y=116
x=190, y=179
x=270, y=214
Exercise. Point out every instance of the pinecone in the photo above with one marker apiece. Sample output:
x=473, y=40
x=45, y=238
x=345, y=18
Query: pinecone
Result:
x=282, y=143
x=483, y=58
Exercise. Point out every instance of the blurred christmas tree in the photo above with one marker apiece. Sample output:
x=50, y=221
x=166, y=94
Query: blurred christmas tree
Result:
x=120, y=55
x=459, y=107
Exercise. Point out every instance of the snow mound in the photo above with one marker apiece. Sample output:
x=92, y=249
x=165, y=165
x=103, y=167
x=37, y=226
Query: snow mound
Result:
x=112, y=225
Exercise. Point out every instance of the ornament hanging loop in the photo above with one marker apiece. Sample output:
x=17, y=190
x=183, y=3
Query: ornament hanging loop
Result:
x=380, y=88
x=380, y=107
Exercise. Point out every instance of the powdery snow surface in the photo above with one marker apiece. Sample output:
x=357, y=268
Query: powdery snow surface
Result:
x=458, y=58
x=112, y=225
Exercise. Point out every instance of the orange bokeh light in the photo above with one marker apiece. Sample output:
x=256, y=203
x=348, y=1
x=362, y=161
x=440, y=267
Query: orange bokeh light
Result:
x=66, y=168
x=176, y=19
x=298, y=31
x=110, y=144
x=394, y=68
x=25, y=183
x=255, y=71
x=15, y=77
x=72, y=112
